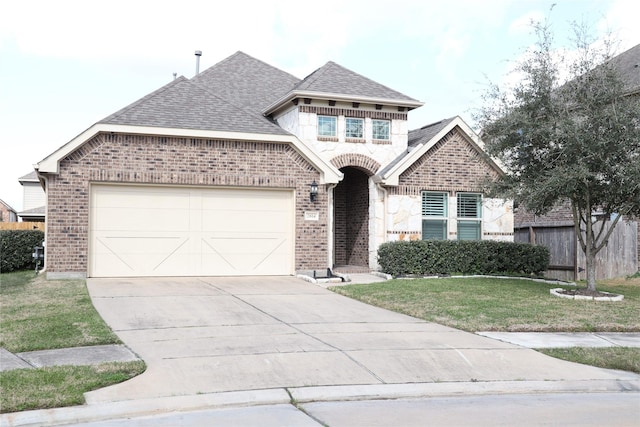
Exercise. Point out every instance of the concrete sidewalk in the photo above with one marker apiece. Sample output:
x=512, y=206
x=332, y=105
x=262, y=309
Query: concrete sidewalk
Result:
x=120, y=353
x=78, y=356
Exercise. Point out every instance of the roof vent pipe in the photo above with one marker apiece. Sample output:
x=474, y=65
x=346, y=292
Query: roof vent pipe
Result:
x=198, y=55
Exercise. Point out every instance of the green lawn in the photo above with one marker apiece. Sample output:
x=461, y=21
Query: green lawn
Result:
x=37, y=314
x=492, y=304
x=513, y=305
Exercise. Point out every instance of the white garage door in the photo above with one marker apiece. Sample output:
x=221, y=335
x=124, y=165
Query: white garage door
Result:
x=177, y=231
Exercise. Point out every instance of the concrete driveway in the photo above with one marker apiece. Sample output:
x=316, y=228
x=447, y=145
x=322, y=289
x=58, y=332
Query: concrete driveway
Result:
x=208, y=335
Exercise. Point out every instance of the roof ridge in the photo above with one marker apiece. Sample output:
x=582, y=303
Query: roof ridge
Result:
x=318, y=72
x=246, y=55
x=145, y=98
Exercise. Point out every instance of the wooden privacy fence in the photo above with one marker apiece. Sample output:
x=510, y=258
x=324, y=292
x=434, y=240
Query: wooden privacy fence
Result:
x=567, y=261
x=22, y=226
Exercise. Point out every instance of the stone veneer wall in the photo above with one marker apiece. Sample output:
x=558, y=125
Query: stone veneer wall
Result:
x=136, y=159
x=452, y=165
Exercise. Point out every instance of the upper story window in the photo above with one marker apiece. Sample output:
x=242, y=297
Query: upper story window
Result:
x=354, y=128
x=327, y=126
x=380, y=129
x=434, y=215
x=469, y=216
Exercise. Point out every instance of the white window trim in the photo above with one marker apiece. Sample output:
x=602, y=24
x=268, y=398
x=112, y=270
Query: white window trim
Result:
x=346, y=126
x=335, y=120
x=388, y=129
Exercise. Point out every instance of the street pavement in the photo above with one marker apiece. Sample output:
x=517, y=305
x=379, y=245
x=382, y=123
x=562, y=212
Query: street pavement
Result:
x=223, y=343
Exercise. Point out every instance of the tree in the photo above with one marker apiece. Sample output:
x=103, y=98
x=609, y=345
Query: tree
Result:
x=566, y=131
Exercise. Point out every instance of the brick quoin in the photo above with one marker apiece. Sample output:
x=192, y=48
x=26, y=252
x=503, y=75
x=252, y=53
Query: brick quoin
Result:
x=138, y=159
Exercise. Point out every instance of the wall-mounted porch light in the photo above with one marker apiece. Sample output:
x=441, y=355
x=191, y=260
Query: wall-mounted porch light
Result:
x=313, y=191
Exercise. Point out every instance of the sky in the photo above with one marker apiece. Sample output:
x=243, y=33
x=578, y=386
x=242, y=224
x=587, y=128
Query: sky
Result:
x=67, y=64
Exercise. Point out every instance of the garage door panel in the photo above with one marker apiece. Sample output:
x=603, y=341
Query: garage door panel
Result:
x=156, y=231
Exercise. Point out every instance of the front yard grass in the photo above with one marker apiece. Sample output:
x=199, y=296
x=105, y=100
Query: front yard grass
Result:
x=514, y=305
x=36, y=314
x=494, y=304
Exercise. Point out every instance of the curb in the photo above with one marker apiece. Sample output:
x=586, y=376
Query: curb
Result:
x=300, y=395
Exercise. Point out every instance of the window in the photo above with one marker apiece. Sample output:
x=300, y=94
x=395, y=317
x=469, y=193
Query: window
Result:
x=469, y=216
x=381, y=129
x=327, y=126
x=434, y=216
x=354, y=128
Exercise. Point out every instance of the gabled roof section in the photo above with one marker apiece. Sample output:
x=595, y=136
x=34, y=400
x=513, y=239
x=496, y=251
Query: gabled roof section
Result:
x=333, y=81
x=422, y=140
x=184, y=104
x=246, y=82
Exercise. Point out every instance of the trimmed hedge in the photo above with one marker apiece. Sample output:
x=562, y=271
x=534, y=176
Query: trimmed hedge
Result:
x=16, y=249
x=430, y=257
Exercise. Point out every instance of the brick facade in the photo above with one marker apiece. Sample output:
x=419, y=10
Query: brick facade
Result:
x=452, y=165
x=136, y=159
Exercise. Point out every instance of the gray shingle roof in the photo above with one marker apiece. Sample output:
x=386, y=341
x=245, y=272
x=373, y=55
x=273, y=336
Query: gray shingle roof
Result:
x=185, y=104
x=246, y=82
x=31, y=176
x=39, y=211
x=425, y=133
x=232, y=95
x=628, y=65
x=334, y=78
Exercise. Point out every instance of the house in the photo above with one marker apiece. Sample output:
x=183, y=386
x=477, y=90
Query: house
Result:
x=245, y=169
x=556, y=229
x=7, y=213
x=33, y=198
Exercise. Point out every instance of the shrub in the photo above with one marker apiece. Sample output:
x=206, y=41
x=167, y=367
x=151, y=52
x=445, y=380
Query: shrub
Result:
x=16, y=249
x=425, y=257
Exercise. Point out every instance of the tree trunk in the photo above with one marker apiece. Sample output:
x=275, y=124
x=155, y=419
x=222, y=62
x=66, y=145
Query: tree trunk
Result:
x=590, y=257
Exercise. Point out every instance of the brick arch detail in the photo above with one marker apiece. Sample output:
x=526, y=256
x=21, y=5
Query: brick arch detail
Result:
x=360, y=161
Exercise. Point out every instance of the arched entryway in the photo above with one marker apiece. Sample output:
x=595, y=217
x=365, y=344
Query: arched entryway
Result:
x=351, y=219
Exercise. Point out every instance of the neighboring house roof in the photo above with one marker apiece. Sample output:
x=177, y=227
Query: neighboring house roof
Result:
x=39, y=211
x=7, y=207
x=30, y=177
x=422, y=140
x=628, y=65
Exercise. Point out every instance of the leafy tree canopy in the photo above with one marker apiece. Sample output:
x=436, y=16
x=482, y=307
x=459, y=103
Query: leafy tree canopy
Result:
x=567, y=130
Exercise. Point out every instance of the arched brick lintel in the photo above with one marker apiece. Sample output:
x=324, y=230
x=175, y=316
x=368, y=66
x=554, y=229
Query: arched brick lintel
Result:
x=360, y=161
